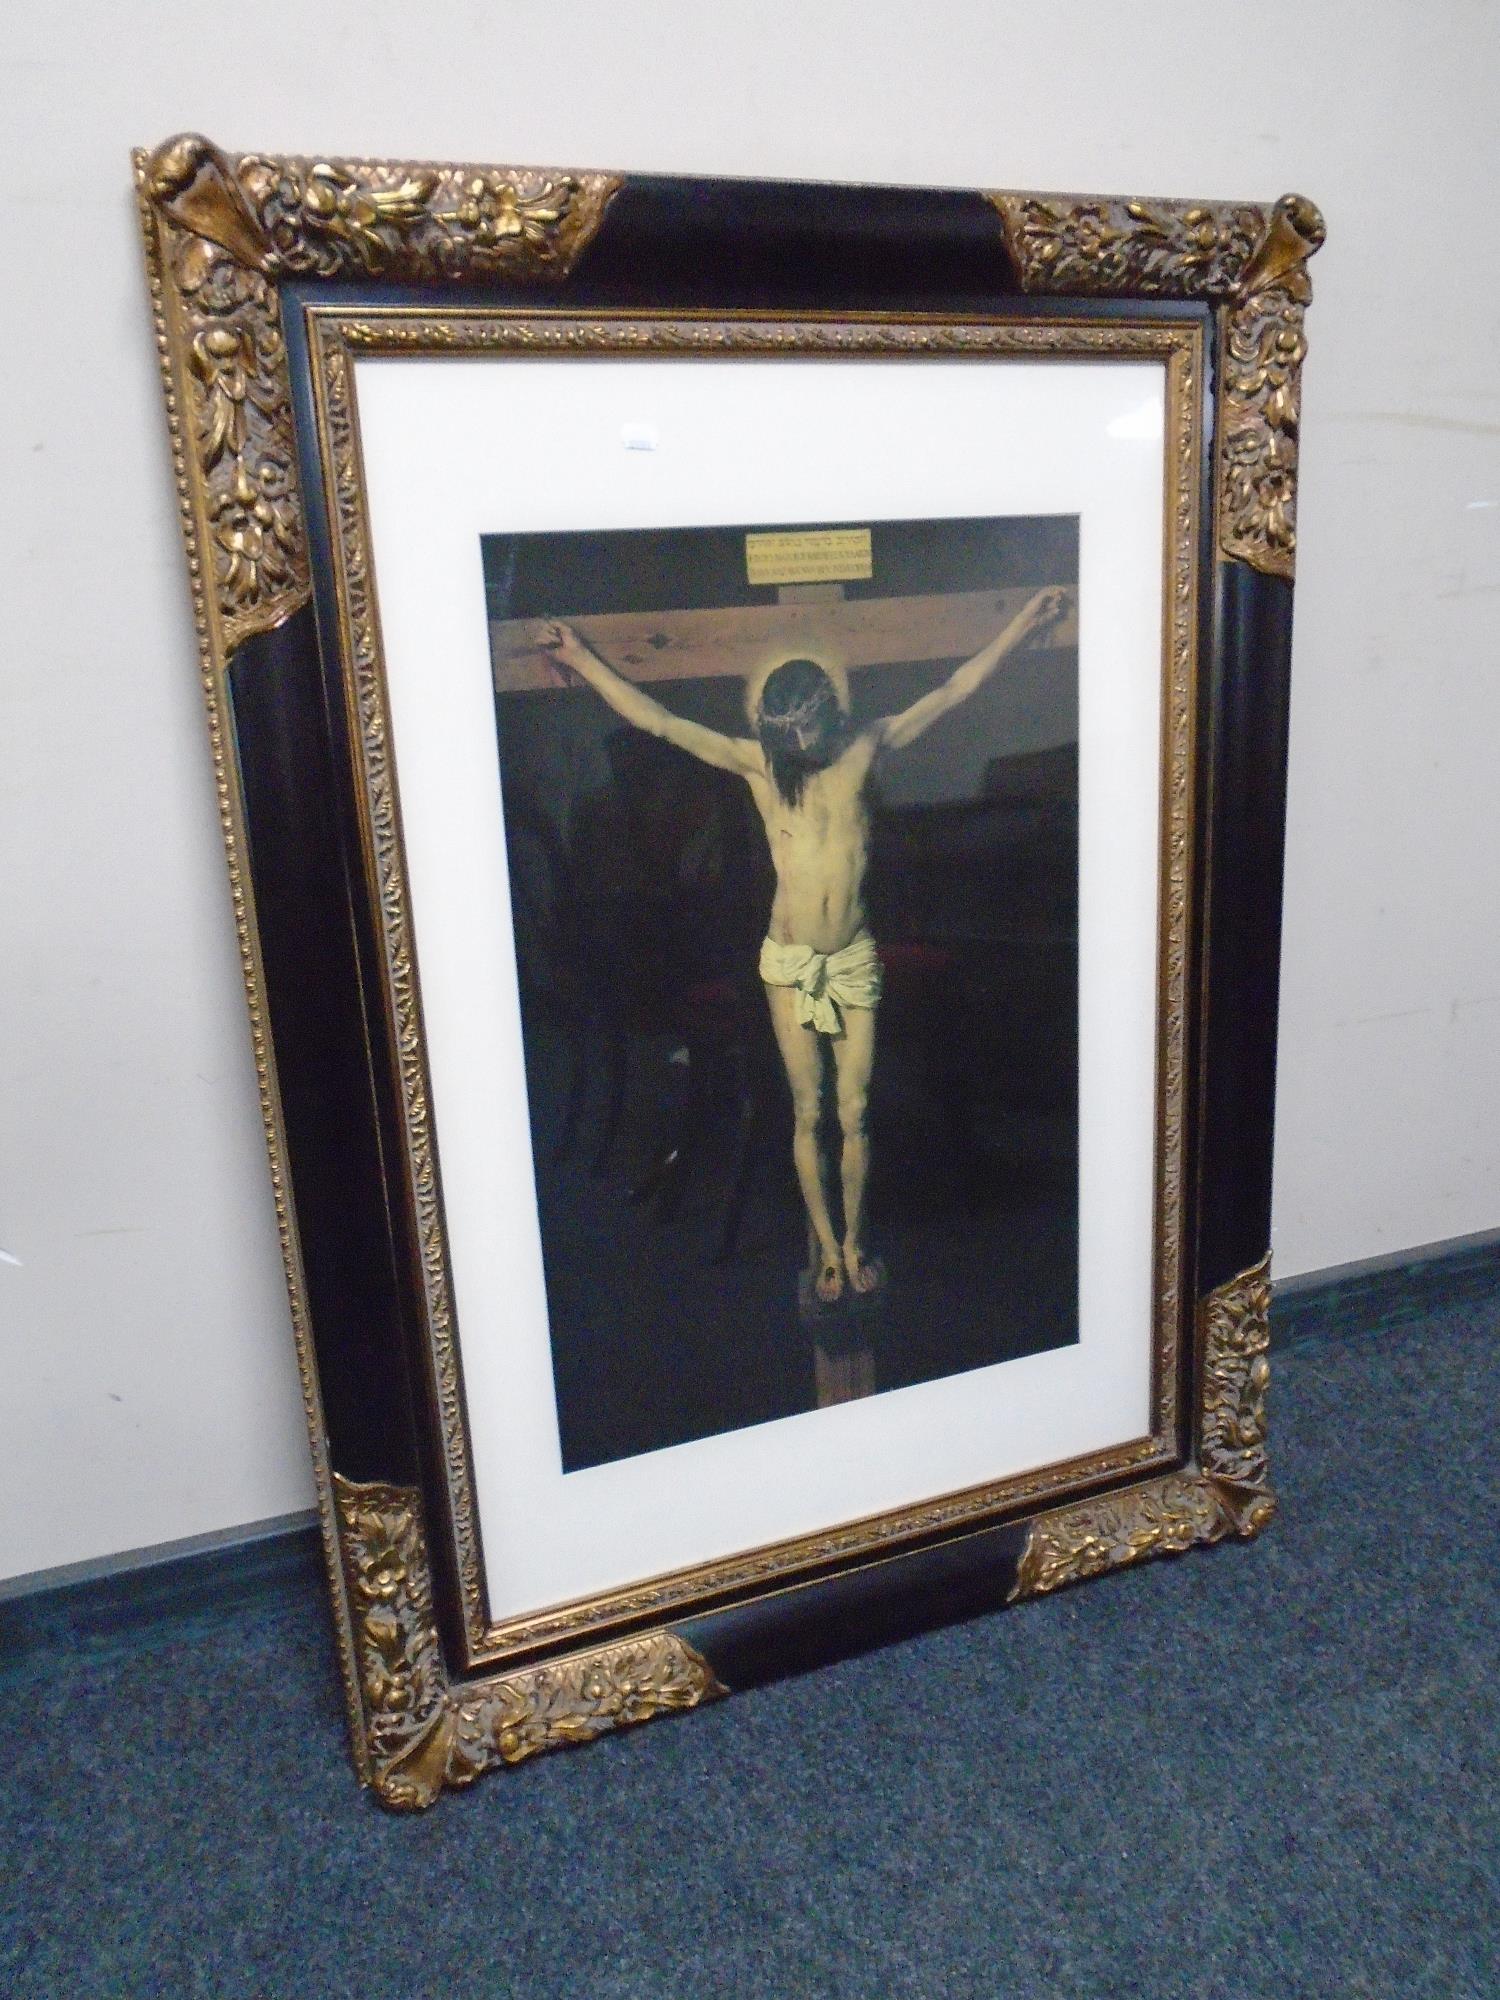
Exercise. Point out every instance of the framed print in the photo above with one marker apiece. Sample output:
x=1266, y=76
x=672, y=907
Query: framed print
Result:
x=750, y=723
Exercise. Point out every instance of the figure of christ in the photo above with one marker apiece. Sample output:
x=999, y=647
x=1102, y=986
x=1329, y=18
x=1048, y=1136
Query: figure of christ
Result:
x=809, y=771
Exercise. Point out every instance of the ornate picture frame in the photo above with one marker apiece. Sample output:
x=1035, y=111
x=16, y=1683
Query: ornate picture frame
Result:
x=274, y=282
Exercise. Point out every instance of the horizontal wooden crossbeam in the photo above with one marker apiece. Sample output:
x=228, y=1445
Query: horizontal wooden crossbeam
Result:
x=692, y=645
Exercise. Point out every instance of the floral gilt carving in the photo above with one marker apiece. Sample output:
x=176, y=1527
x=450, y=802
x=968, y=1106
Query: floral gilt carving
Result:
x=397, y=1651
x=1236, y=1334
x=229, y=232
x=297, y=218
x=1224, y=1494
x=1253, y=266
x=1260, y=393
x=1163, y=248
x=424, y=1734
x=1161, y=1517
x=239, y=428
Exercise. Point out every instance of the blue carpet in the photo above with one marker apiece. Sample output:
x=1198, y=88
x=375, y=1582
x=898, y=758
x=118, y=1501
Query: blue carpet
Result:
x=1265, y=1771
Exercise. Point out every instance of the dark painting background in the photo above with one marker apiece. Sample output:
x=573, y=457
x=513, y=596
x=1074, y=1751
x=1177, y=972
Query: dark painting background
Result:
x=672, y=1231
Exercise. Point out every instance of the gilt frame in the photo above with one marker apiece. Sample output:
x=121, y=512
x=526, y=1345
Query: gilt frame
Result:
x=267, y=275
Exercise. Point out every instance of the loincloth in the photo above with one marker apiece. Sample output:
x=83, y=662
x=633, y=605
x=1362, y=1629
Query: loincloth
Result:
x=826, y=982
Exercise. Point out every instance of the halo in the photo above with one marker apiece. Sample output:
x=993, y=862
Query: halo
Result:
x=755, y=681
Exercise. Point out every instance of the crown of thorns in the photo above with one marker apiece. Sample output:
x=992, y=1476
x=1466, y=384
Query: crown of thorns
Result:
x=805, y=718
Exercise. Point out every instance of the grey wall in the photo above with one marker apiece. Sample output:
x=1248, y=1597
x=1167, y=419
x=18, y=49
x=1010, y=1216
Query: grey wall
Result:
x=148, y=1386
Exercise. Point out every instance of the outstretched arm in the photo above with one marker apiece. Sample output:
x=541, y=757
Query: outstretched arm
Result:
x=1035, y=617
x=729, y=753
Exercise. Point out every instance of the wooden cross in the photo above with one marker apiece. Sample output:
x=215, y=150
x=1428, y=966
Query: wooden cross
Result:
x=693, y=645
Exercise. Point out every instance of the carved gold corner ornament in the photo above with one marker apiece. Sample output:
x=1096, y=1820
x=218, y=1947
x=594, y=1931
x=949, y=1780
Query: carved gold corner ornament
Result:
x=230, y=231
x=1226, y=1494
x=1167, y=249
x=1254, y=267
x=424, y=1734
x=1260, y=393
x=1236, y=1334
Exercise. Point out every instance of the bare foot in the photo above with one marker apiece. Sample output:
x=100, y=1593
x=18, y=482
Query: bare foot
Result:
x=866, y=1274
x=829, y=1283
